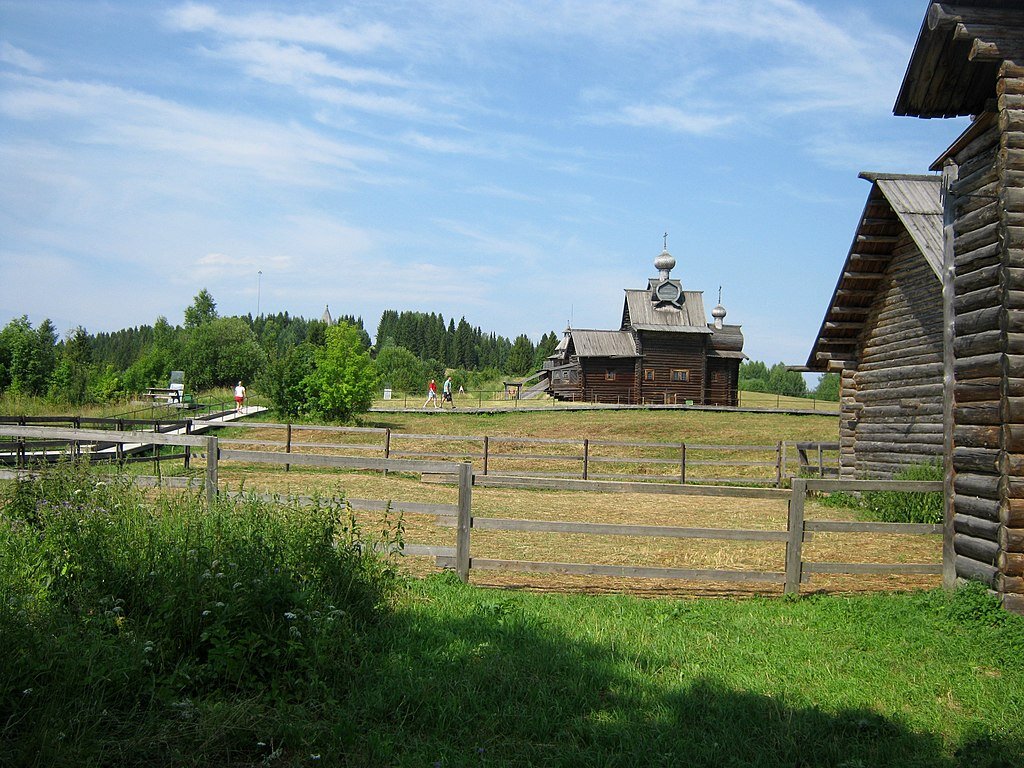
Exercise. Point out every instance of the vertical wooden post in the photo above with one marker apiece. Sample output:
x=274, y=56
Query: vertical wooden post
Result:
x=586, y=457
x=949, y=175
x=821, y=466
x=188, y=448
x=212, y=458
x=780, y=473
x=21, y=445
x=794, y=546
x=682, y=463
x=387, y=446
x=76, y=446
x=487, y=442
x=119, y=448
x=465, y=521
x=288, y=443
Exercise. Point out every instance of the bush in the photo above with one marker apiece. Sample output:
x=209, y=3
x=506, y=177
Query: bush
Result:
x=139, y=605
x=906, y=507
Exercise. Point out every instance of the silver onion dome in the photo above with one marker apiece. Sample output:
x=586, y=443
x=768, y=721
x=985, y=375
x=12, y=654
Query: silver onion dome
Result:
x=664, y=263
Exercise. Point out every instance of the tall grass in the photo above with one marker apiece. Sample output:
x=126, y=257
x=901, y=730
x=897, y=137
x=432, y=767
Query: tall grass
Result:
x=142, y=612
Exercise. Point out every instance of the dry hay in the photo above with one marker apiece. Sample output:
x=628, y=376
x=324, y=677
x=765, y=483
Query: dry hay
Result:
x=630, y=508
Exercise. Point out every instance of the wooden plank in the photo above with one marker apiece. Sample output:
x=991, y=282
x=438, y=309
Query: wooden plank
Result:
x=347, y=462
x=425, y=550
x=537, y=456
x=626, y=571
x=102, y=436
x=816, y=484
x=611, y=529
x=864, y=569
x=839, y=526
x=605, y=486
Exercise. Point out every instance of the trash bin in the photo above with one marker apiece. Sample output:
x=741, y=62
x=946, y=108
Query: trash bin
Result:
x=387, y=394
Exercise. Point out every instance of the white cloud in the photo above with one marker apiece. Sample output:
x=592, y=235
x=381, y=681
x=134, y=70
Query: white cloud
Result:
x=663, y=117
x=10, y=54
x=326, y=31
x=138, y=122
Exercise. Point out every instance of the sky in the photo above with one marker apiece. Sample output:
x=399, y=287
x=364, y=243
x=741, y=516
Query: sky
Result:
x=515, y=163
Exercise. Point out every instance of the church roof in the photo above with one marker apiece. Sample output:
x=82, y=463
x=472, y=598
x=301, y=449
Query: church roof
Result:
x=589, y=343
x=642, y=314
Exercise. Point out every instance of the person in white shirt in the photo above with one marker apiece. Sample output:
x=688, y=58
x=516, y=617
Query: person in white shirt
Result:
x=239, y=397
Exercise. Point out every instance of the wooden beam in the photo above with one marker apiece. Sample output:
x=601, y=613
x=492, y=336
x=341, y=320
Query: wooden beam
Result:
x=824, y=341
x=848, y=325
x=945, y=15
x=849, y=293
x=853, y=275
x=878, y=239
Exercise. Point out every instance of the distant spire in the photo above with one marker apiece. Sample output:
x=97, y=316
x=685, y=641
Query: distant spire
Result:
x=326, y=317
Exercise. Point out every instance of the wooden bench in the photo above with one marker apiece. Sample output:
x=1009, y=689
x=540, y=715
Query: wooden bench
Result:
x=163, y=394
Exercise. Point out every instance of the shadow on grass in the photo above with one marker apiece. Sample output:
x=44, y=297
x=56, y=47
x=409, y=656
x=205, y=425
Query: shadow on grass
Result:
x=493, y=686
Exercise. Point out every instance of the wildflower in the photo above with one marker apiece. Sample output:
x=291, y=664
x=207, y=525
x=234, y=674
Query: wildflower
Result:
x=218, y=604
x=289, y=615
x=206, y=613
x=27, y=692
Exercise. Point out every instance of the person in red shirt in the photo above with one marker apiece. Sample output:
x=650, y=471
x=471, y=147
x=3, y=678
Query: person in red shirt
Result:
x=432, y=395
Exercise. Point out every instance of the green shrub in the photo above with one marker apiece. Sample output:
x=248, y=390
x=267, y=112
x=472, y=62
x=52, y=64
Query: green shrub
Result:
x=907, y=507
x=164, y=600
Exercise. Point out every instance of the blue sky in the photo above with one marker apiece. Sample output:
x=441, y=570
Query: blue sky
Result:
x=516, y=163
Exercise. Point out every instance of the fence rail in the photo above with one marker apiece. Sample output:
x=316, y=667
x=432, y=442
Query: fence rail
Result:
x=459, y=516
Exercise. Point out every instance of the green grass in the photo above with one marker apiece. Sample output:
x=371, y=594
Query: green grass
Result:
x=123, y=645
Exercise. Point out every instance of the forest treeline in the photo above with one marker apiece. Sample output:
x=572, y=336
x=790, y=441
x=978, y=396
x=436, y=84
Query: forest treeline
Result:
x=277, y=353
x=286, y=357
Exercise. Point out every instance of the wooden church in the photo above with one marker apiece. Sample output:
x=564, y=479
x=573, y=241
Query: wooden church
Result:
x=664, y=352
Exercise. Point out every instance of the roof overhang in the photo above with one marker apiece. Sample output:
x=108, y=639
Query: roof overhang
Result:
x=956, y=59
x=896, y=203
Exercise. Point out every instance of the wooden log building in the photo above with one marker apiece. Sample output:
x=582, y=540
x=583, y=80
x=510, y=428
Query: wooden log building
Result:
x=664, y=353
x=969, y=61
x=882, y=331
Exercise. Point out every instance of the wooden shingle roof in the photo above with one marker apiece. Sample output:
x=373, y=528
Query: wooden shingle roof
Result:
x=896, y=202
x=959, y=50
x=641, y=314
x=588, y=343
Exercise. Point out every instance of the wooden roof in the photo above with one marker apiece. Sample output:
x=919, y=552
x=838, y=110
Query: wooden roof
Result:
x=588, y=343
x=896, y=203
x=642, y=314
x=959, y=49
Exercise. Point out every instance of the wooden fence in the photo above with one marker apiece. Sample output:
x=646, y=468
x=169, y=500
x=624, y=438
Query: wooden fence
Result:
x=496, y=456
x=460, y=516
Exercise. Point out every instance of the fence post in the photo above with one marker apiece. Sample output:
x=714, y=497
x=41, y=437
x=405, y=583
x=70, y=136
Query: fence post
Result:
x=487, y=442
x=212, y=457
x=778, y=463
x=465, y=521
x=188, y=448
x=794, y=546
x=821, y=465
x=119, y=448
x=782, y=462
x=682, y=463
x=586, y=457
x=288, y=443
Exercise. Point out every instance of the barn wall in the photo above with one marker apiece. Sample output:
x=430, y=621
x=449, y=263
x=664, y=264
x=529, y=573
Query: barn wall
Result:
x=1010, y=165
x=895, y=418
x=596, y=387
x=978, y=344
x=664, y=352
x=722, y=382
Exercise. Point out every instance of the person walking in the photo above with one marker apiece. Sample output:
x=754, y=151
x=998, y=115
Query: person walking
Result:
x=432, y=395
x=239, y=397
x=446, y=392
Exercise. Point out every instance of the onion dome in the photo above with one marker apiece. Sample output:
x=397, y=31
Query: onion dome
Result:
x=664, y=263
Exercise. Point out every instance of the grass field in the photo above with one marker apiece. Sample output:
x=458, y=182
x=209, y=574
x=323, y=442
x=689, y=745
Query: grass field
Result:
x=142, y=629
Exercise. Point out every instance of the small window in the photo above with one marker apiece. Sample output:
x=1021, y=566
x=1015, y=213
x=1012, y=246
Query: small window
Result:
x=717, y=376
x=648, y=374
x=678, y=374
x=609, y=375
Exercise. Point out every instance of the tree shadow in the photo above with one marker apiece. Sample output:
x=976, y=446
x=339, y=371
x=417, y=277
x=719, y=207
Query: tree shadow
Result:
x=495, y=686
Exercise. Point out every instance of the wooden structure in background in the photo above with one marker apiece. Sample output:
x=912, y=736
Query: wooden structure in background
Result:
x=882, y=331
x=665, y=351
x=969, y=60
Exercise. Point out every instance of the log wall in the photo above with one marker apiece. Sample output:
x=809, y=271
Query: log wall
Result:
x=722, y=382
x=988, y=349
x=663, y=352
x=597, y=388
x=892, y=409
